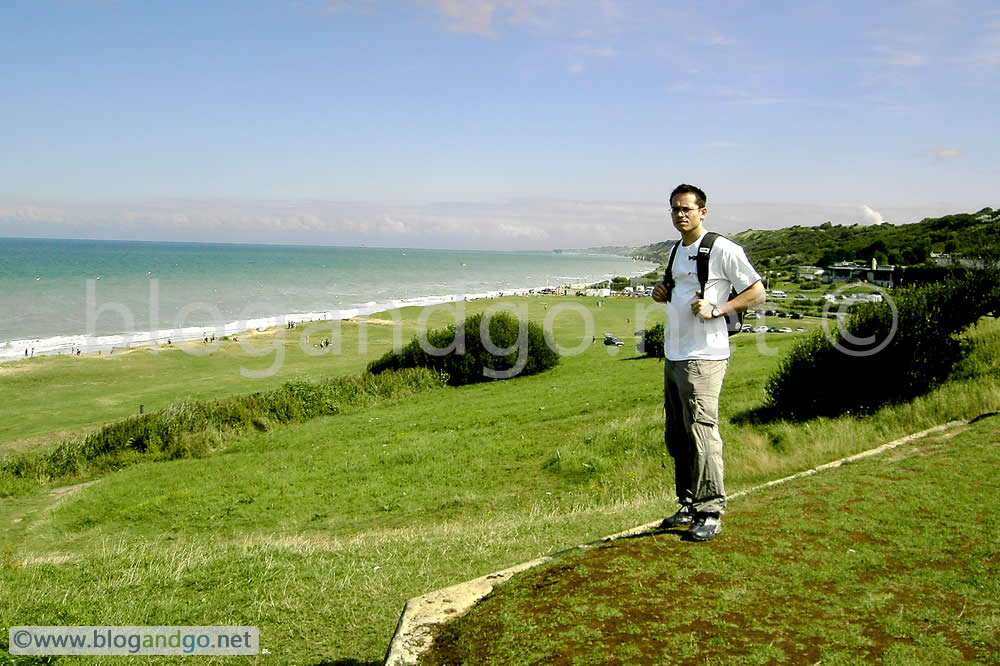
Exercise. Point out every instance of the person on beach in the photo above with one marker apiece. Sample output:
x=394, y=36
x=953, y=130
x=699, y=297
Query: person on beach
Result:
x=696, y=352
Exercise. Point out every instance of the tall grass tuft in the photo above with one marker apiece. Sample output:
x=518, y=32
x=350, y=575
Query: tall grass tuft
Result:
x=193, y=429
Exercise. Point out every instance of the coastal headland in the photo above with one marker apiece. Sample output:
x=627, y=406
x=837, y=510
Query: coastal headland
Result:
x=317, y=532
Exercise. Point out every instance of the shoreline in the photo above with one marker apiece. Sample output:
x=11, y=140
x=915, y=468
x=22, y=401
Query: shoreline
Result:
x=62, y=345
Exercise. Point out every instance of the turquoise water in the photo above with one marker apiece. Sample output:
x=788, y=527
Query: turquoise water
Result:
x=59, y=295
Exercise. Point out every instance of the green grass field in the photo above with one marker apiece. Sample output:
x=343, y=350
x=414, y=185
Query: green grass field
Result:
x=318, y=532
x=81, y=393
x=865, y=563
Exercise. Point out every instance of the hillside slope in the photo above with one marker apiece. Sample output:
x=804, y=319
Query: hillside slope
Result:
x=969, y=234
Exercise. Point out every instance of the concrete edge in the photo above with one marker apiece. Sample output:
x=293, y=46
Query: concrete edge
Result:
x=422, y=614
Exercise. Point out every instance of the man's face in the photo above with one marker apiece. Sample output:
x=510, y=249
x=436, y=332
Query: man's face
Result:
x=686, y=213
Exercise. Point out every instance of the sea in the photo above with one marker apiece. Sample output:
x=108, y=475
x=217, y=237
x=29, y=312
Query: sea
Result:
x=69, y=296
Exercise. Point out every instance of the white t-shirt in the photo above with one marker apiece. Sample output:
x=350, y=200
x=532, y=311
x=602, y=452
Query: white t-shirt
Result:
x=686, y=337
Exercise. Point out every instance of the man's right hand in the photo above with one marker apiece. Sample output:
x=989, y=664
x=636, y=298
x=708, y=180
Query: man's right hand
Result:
x=660, y=293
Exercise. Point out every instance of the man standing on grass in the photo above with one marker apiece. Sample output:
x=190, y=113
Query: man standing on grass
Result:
x=696, y=349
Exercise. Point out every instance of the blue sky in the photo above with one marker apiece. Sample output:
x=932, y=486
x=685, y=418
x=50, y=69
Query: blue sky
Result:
x=504, y=124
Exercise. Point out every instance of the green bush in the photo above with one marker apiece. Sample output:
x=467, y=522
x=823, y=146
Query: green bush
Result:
x=652, y=342
x=466, y=354
x=881, y=358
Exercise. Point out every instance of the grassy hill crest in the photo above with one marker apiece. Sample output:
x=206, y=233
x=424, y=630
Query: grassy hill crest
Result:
x=968, y=234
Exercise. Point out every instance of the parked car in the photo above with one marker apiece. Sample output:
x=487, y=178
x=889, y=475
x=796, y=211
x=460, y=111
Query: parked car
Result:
x=746, y=328
x=784, y=329
x=760, y=329
x=612, y=341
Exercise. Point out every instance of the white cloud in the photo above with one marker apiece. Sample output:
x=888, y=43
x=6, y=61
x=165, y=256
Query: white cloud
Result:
x=392, y=226
x=943, y=154
x=735, y=217
x=337, y=6
x=721, y=40
x=895, y=35
x=579, y=56
x=514, y=225
x=738, y=93
x=987, y=50
x=987, y=56
x=94, y=3
x=892, y=56
x=475, y=16
x=992, y=18
x=740, y=96
x=871, y=216
x=484, y=17
x=517, y=230
x=611, y=12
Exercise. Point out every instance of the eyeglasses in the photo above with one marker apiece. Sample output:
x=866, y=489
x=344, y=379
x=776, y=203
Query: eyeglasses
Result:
x=680, y=210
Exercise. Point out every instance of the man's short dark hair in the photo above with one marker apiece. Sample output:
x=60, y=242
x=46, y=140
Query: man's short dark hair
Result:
x=684, y=188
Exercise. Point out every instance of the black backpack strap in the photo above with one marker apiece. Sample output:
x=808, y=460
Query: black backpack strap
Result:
x=668, y=275
x=734, y=320
x=704, y=252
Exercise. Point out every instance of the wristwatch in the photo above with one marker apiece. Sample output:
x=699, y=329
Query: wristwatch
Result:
x=716, y=312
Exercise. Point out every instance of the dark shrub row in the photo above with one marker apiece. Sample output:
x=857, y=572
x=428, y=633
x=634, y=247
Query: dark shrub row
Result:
x=881, y=358
x=467, y=353
x=192, y=428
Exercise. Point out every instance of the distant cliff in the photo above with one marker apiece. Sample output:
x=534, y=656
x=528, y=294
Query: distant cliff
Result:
x=620, y=251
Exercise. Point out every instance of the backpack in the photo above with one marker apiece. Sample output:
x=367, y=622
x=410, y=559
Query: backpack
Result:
x=734, y=320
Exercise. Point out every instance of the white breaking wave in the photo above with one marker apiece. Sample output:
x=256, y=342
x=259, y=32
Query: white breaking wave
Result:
x=86, y=344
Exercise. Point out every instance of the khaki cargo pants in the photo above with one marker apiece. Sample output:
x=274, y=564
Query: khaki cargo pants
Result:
x=691, y=398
